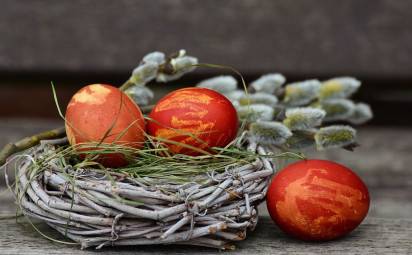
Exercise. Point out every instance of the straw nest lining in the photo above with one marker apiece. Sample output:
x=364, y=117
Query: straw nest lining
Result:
x=90, y=208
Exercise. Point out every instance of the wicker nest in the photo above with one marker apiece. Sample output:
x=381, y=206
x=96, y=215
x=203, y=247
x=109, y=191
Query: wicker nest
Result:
x=88, y=209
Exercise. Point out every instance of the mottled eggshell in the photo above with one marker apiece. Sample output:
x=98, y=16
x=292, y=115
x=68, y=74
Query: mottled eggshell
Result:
x=198, y=117
x=100, y=111
x=317, y=200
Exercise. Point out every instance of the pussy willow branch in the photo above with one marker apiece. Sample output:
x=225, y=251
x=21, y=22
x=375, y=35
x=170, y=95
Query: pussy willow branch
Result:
x=29, y=142
x=166, y=68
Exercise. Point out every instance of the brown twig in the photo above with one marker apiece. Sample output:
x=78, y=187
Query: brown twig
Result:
x=126, y=85
x=29, y=142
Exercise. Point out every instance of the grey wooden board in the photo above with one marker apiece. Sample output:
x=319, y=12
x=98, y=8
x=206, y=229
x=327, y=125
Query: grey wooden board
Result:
x=382, y=160
x=310, y=37
x=385, y=203
x=374, y=236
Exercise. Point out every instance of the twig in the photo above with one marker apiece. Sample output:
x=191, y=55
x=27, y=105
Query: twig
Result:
x=10, y=216
x=84, y=204
x=28, y=142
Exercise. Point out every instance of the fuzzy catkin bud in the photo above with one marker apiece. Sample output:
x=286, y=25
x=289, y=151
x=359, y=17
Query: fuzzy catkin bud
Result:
x=156, y=57
x=303, y=118
x=340, y=87
x=335, y=136
x=222, y=84
x=269, y=132
x=300, y=140
x=181, y=65
x=234, y=95
x=361, y=114
x=144, y=73
x=255, y=112
x=235, y=104
x=268, y=83
x=337, y=109
x=279, y=112
x=259, y=98
x=301, y=93
x=140, y=94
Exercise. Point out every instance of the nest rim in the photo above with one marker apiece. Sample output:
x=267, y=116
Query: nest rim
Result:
x=214, y=214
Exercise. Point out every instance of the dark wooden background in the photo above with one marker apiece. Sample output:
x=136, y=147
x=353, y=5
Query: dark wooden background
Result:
x=77, y=42
x=74, y=43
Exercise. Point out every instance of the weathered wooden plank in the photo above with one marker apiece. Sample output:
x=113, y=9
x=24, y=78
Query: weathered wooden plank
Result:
x=395, y=203
x=374, y=236
x=390, y=98
x=308, y=37
x=382, y=160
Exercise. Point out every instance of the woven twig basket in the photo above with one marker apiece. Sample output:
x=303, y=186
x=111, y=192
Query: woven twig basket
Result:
x=88, y=209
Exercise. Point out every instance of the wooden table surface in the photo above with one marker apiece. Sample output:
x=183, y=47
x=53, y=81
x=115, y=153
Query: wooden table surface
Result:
x=382, y=161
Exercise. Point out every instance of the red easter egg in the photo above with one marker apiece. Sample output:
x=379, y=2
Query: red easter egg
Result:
x=103, y=113
x=198, y=117
x=317, y=200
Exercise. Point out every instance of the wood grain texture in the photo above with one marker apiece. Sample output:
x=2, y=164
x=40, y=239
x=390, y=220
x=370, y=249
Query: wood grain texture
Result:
x=383, y=160
x=374, y=236
x=386, y=203
x=369, y=38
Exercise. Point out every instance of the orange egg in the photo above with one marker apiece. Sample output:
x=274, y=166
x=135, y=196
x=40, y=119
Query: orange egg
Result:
x=317, y=200
x=197, y=117
x=102, y=113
